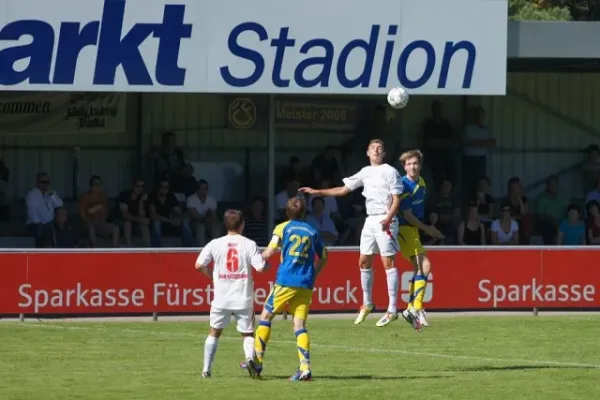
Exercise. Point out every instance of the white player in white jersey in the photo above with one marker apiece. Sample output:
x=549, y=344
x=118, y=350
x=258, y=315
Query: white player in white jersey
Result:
x=232, y=257
x=381, y=188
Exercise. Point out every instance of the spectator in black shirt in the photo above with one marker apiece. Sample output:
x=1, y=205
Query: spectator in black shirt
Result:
x=439, y=138
x=167, y=216
x=59, y=233
x=172, y=165
x=326, y=166
x=255, y=227
x=484, y=201
x=130, y=212
x=445, y=206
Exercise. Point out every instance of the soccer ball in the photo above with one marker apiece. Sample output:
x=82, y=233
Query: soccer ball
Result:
x=397, y=98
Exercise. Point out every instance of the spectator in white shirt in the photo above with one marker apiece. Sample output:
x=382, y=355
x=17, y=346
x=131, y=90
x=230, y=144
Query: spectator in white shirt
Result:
x=291, y=190
x=322, y=222
x=203, y=212
x=478, y=140
x=505, y=230
x=41, y=202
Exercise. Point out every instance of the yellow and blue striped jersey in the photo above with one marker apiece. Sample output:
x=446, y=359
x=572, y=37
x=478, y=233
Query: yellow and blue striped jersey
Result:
x=413, y=198
x=299, y=243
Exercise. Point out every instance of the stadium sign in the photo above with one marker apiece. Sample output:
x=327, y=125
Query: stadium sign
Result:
x=426, y=46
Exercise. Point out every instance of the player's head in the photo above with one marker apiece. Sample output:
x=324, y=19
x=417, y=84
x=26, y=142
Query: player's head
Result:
x=295, y=208
x=412, y=161
x=376, y=151
x=234, y=221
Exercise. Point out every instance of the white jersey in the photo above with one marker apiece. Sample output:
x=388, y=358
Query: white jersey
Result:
x=380, y=182
x=232, y=255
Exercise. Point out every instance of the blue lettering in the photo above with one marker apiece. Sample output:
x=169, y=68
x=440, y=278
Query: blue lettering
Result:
x=327, y=61
x=114, y=47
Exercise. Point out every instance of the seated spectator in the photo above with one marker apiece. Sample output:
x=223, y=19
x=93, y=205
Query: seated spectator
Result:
x=446, y=206
x=59, y=234
x=41, y=202
x=484, y=201
x=4, y=192
x=331, y=205
x=593, y=222
x=327, y=165
x=471, y=231
x=505, y=230
x=518, y=207
x=256, y=227
x=571, y=231
x=171, y=164
x=130, y=212
x=322, y=222
x=167, y=216
x=594, y=194
x=203, y=211
x=430, y=240
x=591, y=168
x=293, y=172
x=93, y=210
x=281, y=198
x=550, y=209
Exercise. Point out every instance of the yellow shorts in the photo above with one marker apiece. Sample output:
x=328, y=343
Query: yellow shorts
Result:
x=297, y=299
x=410, y=242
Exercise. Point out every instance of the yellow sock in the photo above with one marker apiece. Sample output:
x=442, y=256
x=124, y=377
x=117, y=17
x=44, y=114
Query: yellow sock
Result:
x=263, y=334
x=420, y=286
x=303, y=343
x=411, y=293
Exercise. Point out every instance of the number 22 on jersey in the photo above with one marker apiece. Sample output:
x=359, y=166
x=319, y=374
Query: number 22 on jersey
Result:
x=300, y=246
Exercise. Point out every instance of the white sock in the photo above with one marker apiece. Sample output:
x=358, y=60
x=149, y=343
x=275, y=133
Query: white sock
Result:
x=366, y=281
x=392, y=285
x=248, y=344
x=210, y=349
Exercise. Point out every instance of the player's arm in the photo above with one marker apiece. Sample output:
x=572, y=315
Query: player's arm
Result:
x=350, y=184
x=256, y=259
x=204, y=260
x=395, y=182
x=274, y=244
x=406, y=209
x=321, y=251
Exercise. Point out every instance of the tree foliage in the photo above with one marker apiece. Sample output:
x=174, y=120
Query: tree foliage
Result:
x=538, y=10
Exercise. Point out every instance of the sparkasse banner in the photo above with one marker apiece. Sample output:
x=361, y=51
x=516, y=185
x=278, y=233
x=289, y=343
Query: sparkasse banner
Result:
x=267, y=46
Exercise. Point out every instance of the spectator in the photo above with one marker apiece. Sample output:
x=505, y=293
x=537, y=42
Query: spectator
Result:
x=321, y=221
x=330, y=203
x=59, y=233
x=594, y=194
x=172, y=165
x=505, y=230
x=438, y=140
x=93, y=210
x=550, y=209
x=5, y=199
x=291, y=190
x=203, y=210
x=166, y=215
x=446, y=207
x=484, y=201
x=130, y=212
x=430, y=240
x=593, y=222
x=256, y=227
x=478, y=141
x=326, y=166
x=41, y=202
x=518, y=206
x=471, y=231
x=293, y=172
x=591, y=168
x=571, y=231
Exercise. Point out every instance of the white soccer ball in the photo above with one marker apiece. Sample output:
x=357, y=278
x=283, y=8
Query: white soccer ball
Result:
x=397, y=98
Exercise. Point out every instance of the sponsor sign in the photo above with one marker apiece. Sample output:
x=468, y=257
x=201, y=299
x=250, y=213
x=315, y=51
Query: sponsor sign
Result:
x=426, y=46
x=116, y=282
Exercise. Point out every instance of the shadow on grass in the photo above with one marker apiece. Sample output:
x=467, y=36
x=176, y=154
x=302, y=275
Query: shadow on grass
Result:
x=363, y=377
x=490, y=368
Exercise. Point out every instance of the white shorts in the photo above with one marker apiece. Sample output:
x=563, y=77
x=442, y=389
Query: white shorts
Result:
x=375, y=240
x=220, y=319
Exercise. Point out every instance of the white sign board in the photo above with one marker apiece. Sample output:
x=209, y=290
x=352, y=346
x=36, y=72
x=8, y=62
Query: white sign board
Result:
x=266, y=46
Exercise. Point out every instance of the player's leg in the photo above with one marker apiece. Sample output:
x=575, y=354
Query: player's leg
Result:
x=219, y=319
x=423, y=269
x=410, y=247
x=388, y=248
x=299, y=307
x=245, y=326
x=368, y=247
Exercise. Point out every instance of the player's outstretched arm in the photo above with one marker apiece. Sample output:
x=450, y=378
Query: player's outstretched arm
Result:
x=414, y=221
x=256, y=259
x=333, y=192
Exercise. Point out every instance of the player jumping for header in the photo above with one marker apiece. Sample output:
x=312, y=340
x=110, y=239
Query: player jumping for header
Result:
x=232, y=255
x=382, y=189
x=412, y=208
x=299, y=243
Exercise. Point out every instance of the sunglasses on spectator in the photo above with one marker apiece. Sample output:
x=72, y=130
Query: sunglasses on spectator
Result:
x=506, y=210
x=45, y=182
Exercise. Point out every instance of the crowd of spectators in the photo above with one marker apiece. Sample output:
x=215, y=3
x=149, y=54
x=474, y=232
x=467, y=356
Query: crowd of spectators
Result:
x=175, y=204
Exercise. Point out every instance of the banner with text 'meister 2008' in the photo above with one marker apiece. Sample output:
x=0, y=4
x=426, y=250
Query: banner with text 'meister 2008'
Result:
x=267, y=46
x=118, y=283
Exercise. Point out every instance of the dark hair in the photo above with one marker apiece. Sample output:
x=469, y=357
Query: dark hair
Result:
x=574, y=207
x=505, y=204
x=484, y=178
x=471, y=204
x=590, y=204
x=138, y=178
x=233, y=220
x=167, y=135
x=202, y=182
x=312, y=202
x=293, y=160
x=95, y=178
x=295, y=208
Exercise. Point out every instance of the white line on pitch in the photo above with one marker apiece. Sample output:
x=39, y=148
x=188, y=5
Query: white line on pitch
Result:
x=327, y=346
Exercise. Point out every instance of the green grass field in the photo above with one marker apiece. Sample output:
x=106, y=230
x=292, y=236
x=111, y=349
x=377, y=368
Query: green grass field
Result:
x=504, y=358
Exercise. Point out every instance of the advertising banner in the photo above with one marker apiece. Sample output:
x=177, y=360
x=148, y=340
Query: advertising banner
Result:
x=270, y=46
x=60, y=113
x=116, y=282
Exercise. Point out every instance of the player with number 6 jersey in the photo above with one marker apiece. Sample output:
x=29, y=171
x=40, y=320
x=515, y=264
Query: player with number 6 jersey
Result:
x=300, y=243
x=233, y=256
